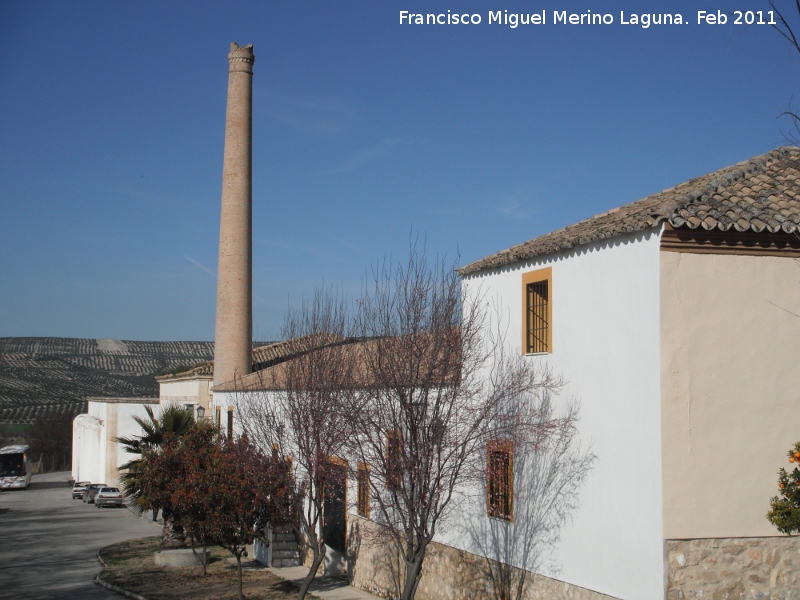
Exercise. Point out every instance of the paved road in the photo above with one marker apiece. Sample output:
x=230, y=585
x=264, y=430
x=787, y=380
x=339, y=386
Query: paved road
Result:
x=48, y=541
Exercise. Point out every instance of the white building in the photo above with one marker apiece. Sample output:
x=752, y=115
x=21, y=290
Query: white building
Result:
x=96, y=455
x=671, y=317
x=672, y=320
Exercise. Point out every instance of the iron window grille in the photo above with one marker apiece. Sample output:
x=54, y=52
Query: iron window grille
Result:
x=500, y=480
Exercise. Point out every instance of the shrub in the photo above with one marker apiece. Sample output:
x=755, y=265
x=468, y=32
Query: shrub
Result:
x=785, y=507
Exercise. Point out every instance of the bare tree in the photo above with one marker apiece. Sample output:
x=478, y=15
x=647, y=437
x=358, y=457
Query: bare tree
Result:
x=548, y=474
x=782, y=25
x=299, y=412
x=435, y=387
x=785, y=28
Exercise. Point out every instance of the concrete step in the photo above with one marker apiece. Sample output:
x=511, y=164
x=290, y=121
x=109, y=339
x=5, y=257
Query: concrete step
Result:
x=285, y=562
x=284, y=545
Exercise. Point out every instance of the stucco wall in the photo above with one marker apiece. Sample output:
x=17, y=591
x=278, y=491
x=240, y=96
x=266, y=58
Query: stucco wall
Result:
x=87, y=459
x=125, y=427
x=186, y=391
x=447, y=573
x=95, y=455
x=731, y=389
x=605, y=311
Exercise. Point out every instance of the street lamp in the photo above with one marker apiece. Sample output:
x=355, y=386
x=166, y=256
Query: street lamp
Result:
x=201, y=412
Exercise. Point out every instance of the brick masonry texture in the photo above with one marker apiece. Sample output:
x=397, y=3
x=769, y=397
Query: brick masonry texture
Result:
x=234, y=318
x=448, y=573
x=734, y=568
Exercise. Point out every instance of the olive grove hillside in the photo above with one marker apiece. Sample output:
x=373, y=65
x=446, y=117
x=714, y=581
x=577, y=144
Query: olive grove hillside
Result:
x=40, y=376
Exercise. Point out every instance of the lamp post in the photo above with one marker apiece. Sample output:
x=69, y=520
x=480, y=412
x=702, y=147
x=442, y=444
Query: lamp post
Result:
x=201, y=413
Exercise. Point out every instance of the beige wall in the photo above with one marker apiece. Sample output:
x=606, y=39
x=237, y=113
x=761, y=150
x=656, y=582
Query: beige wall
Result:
x=730, y=389
x=112, y=447
x=194, y=390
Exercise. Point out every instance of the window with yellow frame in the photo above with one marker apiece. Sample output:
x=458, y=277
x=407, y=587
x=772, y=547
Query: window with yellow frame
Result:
x=537, y=311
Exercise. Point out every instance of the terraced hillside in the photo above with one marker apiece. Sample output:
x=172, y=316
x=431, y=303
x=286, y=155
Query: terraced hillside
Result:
x=40, y=376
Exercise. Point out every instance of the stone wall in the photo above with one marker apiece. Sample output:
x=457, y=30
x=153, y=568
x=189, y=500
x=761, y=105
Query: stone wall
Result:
x=448, y=573
x=734, y=568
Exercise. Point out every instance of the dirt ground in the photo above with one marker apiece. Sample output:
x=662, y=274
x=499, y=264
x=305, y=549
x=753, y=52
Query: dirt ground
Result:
x=130, y=565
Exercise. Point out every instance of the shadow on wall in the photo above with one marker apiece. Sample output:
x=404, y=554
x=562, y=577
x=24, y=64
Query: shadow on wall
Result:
x=547, y=481
x=505, y=554
x=384, y=575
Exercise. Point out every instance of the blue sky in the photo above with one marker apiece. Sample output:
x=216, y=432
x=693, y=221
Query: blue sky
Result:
x=476, y=137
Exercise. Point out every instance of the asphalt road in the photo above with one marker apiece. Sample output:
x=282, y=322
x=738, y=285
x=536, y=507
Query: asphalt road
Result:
x=49, y=542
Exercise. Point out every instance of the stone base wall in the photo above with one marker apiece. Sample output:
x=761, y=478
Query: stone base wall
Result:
x=734, y=568
x=447, y=573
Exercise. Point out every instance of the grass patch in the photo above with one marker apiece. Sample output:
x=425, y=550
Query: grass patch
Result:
x=130, y=565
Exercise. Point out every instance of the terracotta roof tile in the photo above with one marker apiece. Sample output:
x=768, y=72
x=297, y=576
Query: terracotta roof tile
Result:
x=354, y=356
x=265, y=355
x=761, y=194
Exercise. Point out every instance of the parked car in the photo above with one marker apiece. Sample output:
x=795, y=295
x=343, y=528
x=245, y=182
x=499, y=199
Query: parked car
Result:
x=78, y=488
x=108, y=496
x=91, y=491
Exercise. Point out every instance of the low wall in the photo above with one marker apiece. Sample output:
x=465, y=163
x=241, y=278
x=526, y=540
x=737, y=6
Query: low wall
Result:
x=447, y=573
x=765, y=567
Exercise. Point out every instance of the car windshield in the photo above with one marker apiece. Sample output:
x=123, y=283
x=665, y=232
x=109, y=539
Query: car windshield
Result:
x=12, y=465
x=110, y=490
x=81, y=484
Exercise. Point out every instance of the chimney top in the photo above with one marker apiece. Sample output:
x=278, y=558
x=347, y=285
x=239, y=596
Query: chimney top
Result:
x=241, y=58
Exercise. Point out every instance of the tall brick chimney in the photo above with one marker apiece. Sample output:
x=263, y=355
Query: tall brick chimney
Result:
x=233, y=348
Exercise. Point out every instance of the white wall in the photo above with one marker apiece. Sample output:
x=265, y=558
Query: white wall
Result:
x=605, y=301
x=605, y=311
x=87, y=457
x=95, y=455
x=125, y=427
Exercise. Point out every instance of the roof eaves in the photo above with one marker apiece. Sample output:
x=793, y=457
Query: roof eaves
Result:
x=704, y=202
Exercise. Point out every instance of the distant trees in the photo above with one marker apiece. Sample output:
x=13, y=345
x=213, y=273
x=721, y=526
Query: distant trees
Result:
x=12, y=434
x=785, y=507
x=50, y=441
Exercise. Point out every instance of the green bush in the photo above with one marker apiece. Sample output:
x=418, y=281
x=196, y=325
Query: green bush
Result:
x=785, y=507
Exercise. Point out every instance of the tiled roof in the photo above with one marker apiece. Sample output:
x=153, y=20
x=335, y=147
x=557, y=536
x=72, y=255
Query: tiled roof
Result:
x=434, y=357
x=758, y=195
x=263, y=356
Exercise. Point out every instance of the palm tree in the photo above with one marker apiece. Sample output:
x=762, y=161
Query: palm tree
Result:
x=174, y=419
